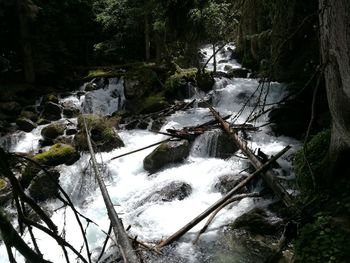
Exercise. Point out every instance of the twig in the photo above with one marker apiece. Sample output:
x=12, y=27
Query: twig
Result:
x=105, y=243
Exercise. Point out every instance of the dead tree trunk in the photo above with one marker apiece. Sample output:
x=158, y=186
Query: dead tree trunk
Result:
x=121, y=236
x=335, y=50
x=268, y=176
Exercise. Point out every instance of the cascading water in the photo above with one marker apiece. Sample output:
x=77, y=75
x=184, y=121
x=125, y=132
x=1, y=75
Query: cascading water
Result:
x=130, y=185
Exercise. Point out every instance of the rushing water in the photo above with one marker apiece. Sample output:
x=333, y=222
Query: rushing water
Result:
x=129, y=184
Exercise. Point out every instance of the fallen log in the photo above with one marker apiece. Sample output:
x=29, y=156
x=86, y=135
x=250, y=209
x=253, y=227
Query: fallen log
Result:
x=124, y=244
x=268, y=176
x=213, y=207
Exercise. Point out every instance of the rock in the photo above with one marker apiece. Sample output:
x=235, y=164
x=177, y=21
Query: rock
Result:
x=204, y=103
x=42, y=122
x=91, y=86
x=139, y=82
x=225, y=147
x=172, y=191
x=64, y=140
x=44, y=186
x=52, y=131
x=71, y=131
x=227, y=182
x=58, y=154
x=257, y=221
x=103, y=134
x=223, y=61
x=290, y=119
x=11, y=108
x=51, y=111
x=238, y=73
x=70, y=111
x=25, y=124
x=33, y=116
x=157, y=124
x=49, y=98
x=205, y=81
x=166, y=153
x=228, y=68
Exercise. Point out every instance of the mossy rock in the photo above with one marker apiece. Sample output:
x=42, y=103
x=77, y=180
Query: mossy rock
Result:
x=52, y=131
x=52, y=111
x=58, y=154
x=166, y=153
x=176, y=86
x=205, y=81
x=102, y=131
x=154, y=103
x=139, y=82
x=316, y=152
x=3, y=184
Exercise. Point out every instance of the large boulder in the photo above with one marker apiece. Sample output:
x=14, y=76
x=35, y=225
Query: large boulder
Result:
x=52, y=111
x=70, y=111
x=44, y=186
x=172, y=191
x=166, y=153
x=25, y=124
x=31, y=115
x=49, y=98
x=103, y=134
x=58, y=154
x=52, y=131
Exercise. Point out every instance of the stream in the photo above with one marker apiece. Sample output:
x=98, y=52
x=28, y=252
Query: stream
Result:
x=129, y=185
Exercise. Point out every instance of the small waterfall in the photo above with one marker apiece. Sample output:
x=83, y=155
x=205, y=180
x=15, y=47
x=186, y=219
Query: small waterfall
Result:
x=11, y=140
x=206, y=145
x=107, y=100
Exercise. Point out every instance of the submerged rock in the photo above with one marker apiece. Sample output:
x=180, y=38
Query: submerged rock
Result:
x=166, y=153
x=227, y=182
x=25, y=124
x=172, y=191
x=44, y=186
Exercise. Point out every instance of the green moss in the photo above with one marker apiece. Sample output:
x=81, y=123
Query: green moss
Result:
x=108, y=133
x=92, y=121
x=57, y=154
x=316, y=152
x=2, y=183
x=154, y=103
x=322, y=241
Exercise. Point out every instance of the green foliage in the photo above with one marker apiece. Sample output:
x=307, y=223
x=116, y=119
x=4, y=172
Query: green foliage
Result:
x=316, y=151
x=180, y=79
x=322, y=241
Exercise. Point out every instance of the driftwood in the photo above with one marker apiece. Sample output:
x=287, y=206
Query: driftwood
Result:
x=268, y=175
x=121, y=236
x=212, y=216
x=221, y=201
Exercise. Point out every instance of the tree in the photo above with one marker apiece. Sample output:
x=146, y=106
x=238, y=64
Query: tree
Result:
x=335, y=49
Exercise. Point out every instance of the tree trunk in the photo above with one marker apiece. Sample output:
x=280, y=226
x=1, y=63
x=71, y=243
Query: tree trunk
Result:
x=214, y=57
x=28, y=66
x=335, y=50
x=147, y=38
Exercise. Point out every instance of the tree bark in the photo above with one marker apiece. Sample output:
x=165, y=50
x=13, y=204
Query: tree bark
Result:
x=214, y=57
x=335, y=50
x=28, y=65
x=147, y=38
